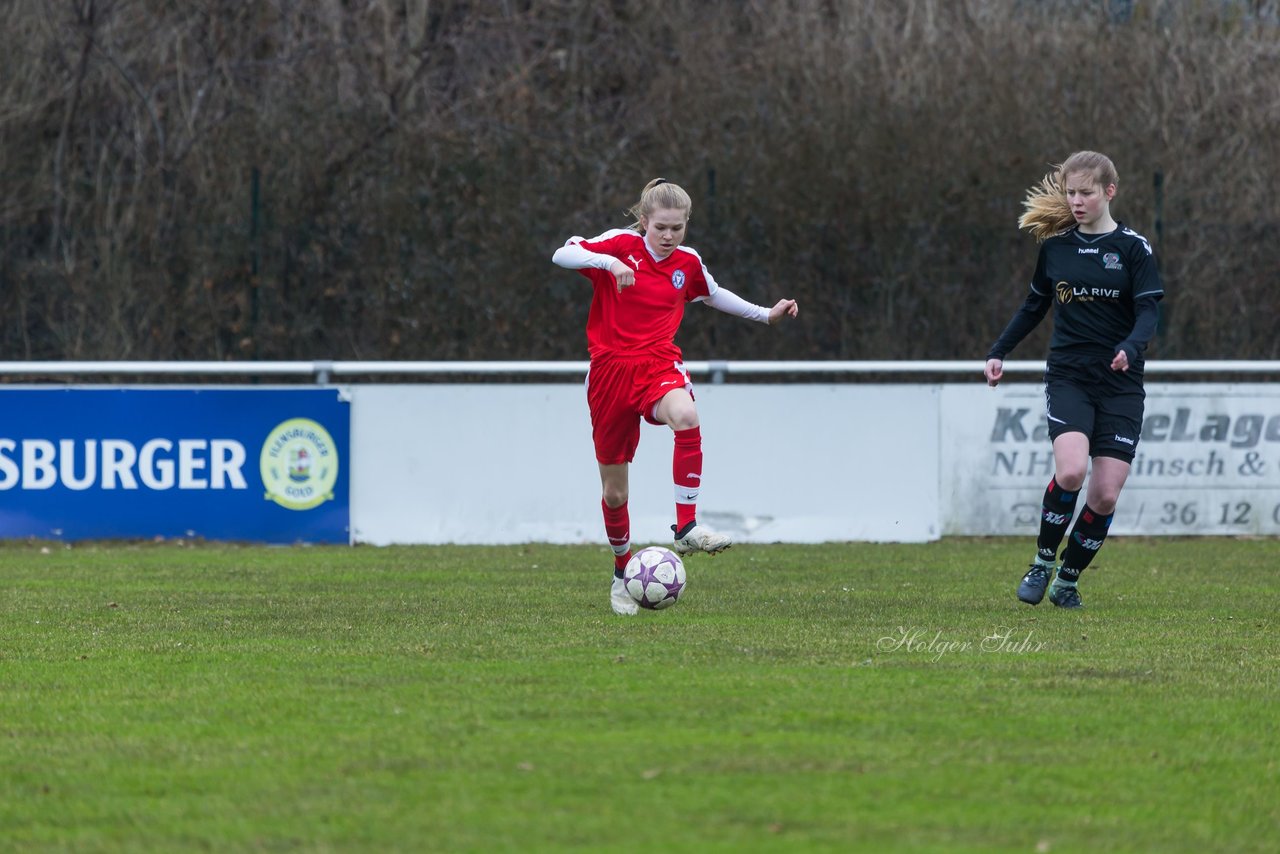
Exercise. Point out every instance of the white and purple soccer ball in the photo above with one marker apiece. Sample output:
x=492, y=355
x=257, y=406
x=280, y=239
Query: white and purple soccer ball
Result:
x=654, y=577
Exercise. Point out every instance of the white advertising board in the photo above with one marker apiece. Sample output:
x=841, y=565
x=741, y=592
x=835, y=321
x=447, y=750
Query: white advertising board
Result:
x=455, y=463
x=1208, y=461
x=507, y=463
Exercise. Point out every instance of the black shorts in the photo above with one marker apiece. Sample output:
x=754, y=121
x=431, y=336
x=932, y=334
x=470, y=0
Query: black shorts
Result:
x=1103, y=404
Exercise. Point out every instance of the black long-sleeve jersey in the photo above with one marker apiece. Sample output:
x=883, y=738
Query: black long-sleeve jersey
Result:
x=1104, y=289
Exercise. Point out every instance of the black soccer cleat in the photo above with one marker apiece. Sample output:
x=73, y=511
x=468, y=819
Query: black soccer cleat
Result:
x=1065, y=596
x=1033, y=585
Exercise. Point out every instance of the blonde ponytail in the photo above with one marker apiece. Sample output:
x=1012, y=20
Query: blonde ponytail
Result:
x=1045, y=209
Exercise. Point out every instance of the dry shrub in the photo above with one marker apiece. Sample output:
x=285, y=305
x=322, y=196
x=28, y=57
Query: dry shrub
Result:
x=388, y=179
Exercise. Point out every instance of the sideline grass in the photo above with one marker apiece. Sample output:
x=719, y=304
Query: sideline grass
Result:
x=803, y=698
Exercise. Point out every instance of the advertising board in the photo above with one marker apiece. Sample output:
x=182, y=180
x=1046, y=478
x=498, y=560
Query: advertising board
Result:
x=260, y=465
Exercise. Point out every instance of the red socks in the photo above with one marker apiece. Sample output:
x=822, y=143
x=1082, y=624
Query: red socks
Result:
x=617, y=527
x=686, y=471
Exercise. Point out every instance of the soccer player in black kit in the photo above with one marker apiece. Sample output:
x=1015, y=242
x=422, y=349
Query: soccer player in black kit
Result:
x=1101, y=279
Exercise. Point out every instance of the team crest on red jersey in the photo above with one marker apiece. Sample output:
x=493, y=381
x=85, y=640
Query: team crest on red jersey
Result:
x=677, y=279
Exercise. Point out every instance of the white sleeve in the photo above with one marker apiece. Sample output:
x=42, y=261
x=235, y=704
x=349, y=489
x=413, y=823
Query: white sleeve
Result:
x=573, y=256
x=730, y=303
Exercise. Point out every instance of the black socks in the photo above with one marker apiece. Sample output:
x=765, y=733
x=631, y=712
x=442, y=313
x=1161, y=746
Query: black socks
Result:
x=1086, y=538
x=1055, y=515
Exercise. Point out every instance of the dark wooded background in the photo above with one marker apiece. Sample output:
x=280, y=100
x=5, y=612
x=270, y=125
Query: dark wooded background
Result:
x=387, y=179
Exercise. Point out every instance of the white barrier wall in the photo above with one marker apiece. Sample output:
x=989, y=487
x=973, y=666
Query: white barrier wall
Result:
x=796, y=463
x=1208, y=461
x=514, y=463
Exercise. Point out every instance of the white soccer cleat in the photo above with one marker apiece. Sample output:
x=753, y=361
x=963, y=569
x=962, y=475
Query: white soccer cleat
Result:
x=701, y=539
x=620, y=600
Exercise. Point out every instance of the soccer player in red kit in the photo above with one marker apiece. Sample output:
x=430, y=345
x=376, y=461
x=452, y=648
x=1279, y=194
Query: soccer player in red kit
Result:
x=642, y=277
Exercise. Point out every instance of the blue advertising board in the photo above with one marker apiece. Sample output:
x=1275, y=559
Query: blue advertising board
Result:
x=258, y=465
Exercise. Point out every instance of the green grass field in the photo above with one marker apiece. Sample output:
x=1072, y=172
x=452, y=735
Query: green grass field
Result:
x=800, y=698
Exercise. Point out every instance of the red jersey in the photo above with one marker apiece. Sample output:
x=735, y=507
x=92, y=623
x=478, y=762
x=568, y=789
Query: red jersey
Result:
x=643, y=319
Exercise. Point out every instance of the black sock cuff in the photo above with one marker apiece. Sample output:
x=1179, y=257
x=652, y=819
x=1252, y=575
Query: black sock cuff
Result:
x=1092, y=520
x=1058, y=498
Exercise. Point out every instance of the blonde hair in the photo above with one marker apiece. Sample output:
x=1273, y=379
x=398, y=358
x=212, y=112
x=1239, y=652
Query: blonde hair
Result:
x=1046, y=211
x=660, y=194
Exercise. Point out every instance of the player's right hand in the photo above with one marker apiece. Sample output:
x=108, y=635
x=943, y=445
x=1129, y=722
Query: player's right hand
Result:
x=623, y=275
x=994, y=371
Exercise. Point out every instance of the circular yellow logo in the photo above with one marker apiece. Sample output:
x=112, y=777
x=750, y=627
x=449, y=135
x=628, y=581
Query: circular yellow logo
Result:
x=299, y=464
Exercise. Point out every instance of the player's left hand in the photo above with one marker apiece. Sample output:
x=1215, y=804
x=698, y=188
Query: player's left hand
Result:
x=1120, y=362
x=784, y=308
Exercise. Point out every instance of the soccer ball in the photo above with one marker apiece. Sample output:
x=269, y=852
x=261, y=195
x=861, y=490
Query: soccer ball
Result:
x=654, y=577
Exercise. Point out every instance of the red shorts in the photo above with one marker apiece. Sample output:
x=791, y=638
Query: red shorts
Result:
x=621, y=391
